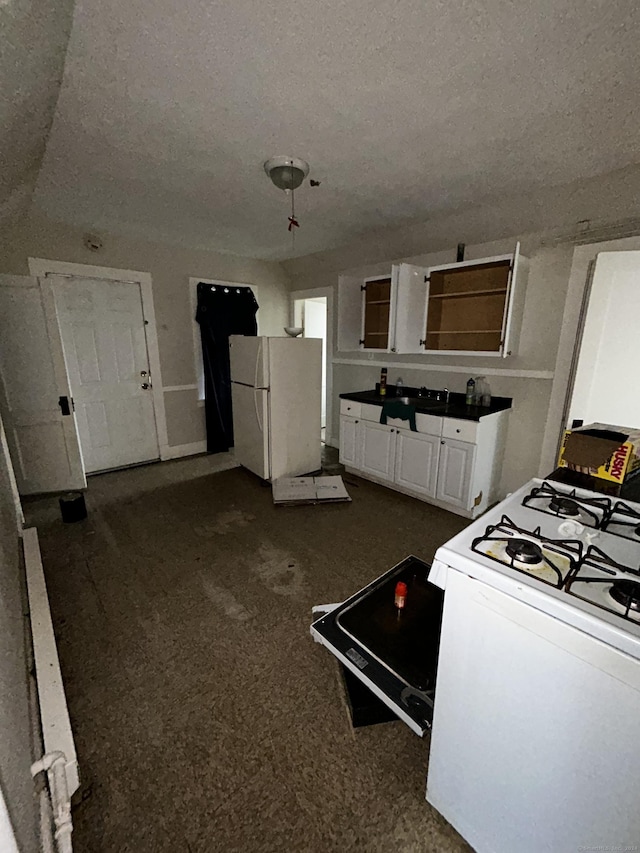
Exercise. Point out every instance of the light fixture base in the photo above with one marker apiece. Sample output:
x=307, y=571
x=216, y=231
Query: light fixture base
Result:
x=287, y=173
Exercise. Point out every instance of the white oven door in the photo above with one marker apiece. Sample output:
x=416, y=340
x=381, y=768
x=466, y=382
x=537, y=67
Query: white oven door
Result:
x=536, y=729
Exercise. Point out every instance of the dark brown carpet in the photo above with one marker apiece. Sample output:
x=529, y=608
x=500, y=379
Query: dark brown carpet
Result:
x=205, y=717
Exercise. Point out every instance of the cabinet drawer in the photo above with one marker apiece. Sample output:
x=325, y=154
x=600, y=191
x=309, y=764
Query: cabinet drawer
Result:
x=370, y=413
x=462, y=430
x=348, y=407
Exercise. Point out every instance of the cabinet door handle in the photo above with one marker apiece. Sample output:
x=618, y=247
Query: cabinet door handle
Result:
x=457, y=430
x=442, y=442
x=357, y=422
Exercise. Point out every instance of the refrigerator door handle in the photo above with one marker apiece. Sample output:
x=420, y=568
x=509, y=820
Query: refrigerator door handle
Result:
x=255, y=403
x=255, y=374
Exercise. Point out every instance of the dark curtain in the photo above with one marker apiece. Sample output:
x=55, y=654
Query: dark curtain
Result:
x=222, y=311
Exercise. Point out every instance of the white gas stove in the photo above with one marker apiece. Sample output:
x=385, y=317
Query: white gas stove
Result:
x=537, y=700
x=573, y=553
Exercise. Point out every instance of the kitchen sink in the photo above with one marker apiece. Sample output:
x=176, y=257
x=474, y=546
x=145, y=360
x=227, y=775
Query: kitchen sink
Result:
x=421, y=402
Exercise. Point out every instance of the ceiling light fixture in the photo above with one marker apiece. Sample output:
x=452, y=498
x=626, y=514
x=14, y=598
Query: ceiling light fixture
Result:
x=288, y=173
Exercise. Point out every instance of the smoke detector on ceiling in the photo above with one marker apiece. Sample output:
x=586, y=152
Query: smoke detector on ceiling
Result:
x=287, y=173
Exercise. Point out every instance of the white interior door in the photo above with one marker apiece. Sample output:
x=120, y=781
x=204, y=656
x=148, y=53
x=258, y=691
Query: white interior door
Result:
x=35, y=398
x=610, y=347
x=103, y=334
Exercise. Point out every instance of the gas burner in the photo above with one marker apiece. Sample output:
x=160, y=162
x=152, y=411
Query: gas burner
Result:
x=627, y=594
x=528, y=551
x=610, y=585
x=589, y=511
x=524, y=551
x=624, y=521
x=564, y=506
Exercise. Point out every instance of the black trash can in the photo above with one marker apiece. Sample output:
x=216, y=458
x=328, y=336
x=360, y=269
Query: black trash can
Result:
x=73, y=507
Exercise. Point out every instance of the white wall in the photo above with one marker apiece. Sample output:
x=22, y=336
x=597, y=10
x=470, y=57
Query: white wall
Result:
x=170, y=268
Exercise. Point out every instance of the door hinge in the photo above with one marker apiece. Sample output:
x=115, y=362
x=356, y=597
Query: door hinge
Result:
x=361, y=342
x=363, y=287
x=426, y=279
x=422, y=343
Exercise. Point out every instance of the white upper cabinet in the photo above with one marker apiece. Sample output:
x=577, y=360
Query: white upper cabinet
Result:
x=469, y=306
x=464, y=308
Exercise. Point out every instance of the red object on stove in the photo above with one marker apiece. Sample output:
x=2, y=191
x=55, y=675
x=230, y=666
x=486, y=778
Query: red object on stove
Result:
x=401, y=594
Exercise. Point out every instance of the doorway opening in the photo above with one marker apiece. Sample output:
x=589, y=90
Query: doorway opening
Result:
x=310, y=310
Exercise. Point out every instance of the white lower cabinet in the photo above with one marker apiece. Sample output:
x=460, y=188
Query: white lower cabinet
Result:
x=378, y=449
x=349, y=442
x=455, y=472
x=417, y=462
x=462, y=476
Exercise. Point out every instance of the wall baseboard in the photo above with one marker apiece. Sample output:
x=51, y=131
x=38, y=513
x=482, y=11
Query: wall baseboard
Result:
x=54, y=714
x=178, y=450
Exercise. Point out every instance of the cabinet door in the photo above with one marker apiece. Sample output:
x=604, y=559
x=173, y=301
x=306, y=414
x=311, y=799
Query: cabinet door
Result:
x=455, y=470
x=349, y=441
x=349, y=313
x=417, y=461
x=411, y=307
x=378, y=444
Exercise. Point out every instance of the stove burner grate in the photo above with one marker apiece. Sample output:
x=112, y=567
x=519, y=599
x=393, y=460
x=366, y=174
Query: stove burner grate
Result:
x=525, y=548
x=590, y=511
x=623, y=521
x=626, y=593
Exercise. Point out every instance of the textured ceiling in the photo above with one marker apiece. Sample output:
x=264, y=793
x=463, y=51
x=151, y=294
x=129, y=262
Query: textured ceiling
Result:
x=34, y=40
x=403, y=109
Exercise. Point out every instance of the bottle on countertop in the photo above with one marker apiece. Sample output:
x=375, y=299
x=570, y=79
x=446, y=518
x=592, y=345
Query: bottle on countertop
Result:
x=483, y=391
x=470, y=397
x=399, y=386
x=383, y=382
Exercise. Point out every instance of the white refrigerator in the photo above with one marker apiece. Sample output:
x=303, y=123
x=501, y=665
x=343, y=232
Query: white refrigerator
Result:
x=276, y=397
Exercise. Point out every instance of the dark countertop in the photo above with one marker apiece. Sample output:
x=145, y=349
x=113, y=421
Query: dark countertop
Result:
x=456, y=408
